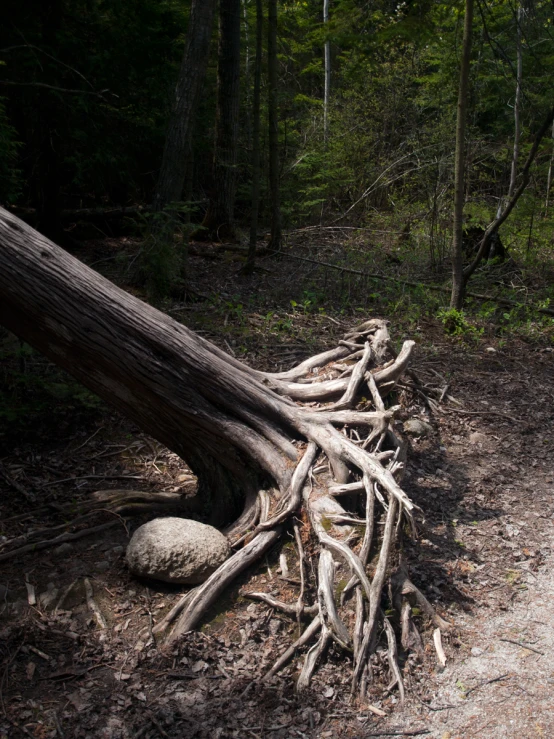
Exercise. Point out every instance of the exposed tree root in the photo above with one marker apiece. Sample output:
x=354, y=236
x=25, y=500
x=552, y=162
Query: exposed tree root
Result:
x=137, y=501
x=329, y=419
x=277, y=442
x=35, y=546
x=308, y=634
x=195, y=603
x=342, y=443
x=280, y=605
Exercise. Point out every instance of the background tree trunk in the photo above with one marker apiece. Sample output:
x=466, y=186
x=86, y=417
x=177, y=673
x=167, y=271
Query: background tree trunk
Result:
x=327, y=72
x=549, y=175
x=219, y=218
x=457, y=297
x=47, y=189
x=171, y=178
x=517, y=102
x=501, y=217
x=272, y=74
x=250, y=262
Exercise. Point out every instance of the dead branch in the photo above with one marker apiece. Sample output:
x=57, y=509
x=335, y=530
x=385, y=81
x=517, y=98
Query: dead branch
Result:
x=204, y=595
x=36, y=546
x=411, y=283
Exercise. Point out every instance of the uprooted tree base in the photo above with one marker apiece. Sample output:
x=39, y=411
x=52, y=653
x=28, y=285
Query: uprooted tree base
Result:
x=315, y=442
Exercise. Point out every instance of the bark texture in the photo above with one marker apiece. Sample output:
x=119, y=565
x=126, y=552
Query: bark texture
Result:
x=219, y=219
x=137, y=358
x=251, y=259
x=171, y=179
x=273, y=120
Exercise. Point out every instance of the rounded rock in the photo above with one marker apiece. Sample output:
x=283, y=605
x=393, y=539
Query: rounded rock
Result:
x=417, y=427
x=176, y=550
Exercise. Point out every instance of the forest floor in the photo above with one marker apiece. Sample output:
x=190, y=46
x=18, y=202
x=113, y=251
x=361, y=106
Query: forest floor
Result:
x=485, y=556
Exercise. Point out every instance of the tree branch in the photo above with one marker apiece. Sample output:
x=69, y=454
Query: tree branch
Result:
x=495, y=225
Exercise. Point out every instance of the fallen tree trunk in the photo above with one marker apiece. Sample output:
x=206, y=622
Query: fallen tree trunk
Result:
x=262, y=445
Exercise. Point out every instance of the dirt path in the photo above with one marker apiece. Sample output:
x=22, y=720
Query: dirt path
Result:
x=495, y=494
x=505, y=687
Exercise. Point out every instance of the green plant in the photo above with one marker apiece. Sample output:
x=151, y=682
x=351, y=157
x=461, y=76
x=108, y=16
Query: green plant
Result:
x=455, y=323
x=35, y=394
x=161, y=265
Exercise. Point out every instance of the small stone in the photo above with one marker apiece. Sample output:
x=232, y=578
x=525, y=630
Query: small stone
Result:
x=64, y=548
x=102, y=566
x=490, y=350
x=476, y=651
x=417, y=427
x=117, y=550
x=176, y=550
x=477, y=438
x=47, y=598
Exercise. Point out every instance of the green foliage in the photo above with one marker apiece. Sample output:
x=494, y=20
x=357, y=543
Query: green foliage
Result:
x=32, y=391
x=455, y=323
x=88, y=91
x=161, y=265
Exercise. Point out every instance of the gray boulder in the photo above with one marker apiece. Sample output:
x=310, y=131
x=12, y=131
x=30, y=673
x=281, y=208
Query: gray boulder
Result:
x=176, y=550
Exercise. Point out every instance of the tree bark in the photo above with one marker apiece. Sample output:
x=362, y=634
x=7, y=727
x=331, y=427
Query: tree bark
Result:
x=517, y=103
x=45, y=178
x=549, y=175
x=251, y=259
x=457, y=297
x=237, y=427
x=272, y=74
x=171, y=178
x=219, y=218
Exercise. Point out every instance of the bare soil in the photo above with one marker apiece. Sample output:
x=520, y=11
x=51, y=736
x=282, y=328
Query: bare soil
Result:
x=484, y=480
